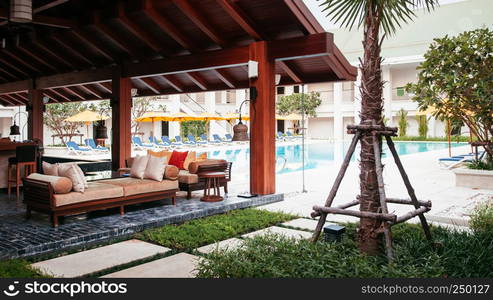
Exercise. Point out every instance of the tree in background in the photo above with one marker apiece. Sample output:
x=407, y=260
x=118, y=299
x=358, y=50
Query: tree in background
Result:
x=374, y=16
x=422, y=126
x=140, y=106
x=55, y=115
x=402, y=117
x=294, y=104
x=456, y=80
x=195, y=128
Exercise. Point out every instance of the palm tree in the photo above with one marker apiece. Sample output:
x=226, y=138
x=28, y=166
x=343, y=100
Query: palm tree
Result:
x=373, y=16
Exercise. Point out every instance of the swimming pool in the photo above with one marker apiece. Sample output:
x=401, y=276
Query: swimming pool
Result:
x=317, y=154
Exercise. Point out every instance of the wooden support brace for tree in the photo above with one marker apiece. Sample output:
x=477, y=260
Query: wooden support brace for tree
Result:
x=372, y=127
x=342, y=206
x=355, y=213
x=408, y=201
x=411, y=214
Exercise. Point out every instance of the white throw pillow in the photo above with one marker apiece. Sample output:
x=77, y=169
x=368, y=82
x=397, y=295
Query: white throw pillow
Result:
x=71, y=172
x=155, y=168
x=139, y=166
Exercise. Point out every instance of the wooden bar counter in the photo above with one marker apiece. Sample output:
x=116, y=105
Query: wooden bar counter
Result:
x=7, y=150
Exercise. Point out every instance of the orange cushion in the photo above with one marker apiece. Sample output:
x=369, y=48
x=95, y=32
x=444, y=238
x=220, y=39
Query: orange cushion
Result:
x=191, y=157
x=178, y=158
x=163, y=153
x=202, y=156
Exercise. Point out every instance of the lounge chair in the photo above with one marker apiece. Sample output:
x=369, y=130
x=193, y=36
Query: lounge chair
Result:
x=192, y=140
x=204, y=138
x=280, y=136
x=156, y=143
x=91, y=144
x=76, y=149
x=179, y=140
x=216, y=139
x=458, y=160
x=228, y=137
x=290, y=135
x=139, y=145
x=165, y=139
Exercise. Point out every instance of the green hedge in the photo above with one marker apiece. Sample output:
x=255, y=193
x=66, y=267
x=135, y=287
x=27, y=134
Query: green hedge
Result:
x=462, y=139
x=17, y=268
x=457, y=254
x=199, y=232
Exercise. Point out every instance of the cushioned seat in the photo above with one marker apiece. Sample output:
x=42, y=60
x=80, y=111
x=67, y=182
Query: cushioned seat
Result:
x=95, y=191
x=134, y=186
x=186, y=177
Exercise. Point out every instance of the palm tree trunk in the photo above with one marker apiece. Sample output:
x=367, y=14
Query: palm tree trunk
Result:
x=371, y=109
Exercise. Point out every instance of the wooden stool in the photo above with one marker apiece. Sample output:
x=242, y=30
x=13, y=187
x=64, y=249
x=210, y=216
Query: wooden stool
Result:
x=212, y=181
x=26, y=157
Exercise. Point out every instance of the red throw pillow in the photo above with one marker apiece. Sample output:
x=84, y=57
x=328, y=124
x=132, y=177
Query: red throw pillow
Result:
x=177, y=159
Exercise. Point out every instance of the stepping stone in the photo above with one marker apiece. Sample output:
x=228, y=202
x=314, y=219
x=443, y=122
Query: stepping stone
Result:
x=229, y=244
x=98, y=259
x=181, y=265
x=302, y=223
x=290, y=233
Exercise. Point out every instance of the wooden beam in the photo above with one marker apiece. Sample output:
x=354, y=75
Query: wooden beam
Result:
x=263, y=123
x=33, y=54
x=53, y=21
x=16, y=86
x=115, y=38
x=61, y=95
x=74, y=51
x=35, y=115
x=60, y=57
x=20, y=98
x=48, y=6
x=167, y=27
x=242, y=19
x=200, y=21
x=21, y=60
x=121, y=103
x=225, y=77
x=74, y=78
x=51, y=95
x=13, y=100
x=304, y=16
x=198, y=80
x=93, y=43
x=150, y=84
x=91, y=90
x=73, y=91
x=174, y=83
x=12, y=66
x=6, y=102
x=289, y=69
x=315, y=45
x=105, y=85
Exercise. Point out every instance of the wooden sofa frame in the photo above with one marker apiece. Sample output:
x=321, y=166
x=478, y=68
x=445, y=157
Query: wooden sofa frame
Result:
x=39, y=196
x=190, y=187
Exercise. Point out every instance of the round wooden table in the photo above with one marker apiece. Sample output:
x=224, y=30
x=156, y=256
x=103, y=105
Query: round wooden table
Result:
x=212, y=182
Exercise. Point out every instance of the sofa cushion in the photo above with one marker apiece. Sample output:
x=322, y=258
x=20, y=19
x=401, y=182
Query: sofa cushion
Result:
x=155, y=168
x=94, y=191
x=171, y=172
x=191, y=157
x=71, y=172
x=178, y=158
x=139, y=166
x=60, y=185
x=186, y=177
x=163, y=153
x=50, y=169
x=133, y=186
x=210, y=164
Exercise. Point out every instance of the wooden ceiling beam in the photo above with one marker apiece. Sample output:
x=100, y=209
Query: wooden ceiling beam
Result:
x=76, y=52
x=60, y=57
x=93, y=43
x=53, y=22
x=106, y=86
x=290, y=70
x=51, y=95
x=48, y=6
x=225, y=77
x=167, y=26
x=91, y=90
x=198, y=80
x=23, y=97
x=34, y=55
x=14, y=67
x=242, y=19
x=174, y=83
x=73, y=91
x=21, y=61
x=200, y=21
x=150, y=84
x=13, y=100
x=60, y=94
x=6, y=102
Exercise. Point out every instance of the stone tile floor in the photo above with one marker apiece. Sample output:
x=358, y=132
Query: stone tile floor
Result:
x=20, y=237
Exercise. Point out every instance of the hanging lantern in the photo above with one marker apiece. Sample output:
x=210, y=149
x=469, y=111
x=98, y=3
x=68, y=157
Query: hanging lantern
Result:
x=101, y=132
x=21, y=11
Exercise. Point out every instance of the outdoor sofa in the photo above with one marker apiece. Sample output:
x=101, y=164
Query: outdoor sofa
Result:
x=41, y=195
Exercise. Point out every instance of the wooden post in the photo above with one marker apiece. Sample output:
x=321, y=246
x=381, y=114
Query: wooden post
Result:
x=121, y=104
x=263, y=123
x=35, y=110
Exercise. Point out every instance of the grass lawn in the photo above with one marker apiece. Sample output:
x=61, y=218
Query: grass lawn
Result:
x=17, y=268
x=200, y=232
x=457, y=254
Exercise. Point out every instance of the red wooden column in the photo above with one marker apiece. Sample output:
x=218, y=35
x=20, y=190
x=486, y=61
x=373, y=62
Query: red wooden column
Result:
x=121, y=104
x=263, y=124
x=35, y=111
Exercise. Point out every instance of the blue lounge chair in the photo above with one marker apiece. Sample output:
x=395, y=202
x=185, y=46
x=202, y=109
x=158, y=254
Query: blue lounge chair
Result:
x=291, y=135
x=204, y=138
x=165, y=139
x=279, y=136
x=138, y=143
x=91, y=144
x=156, y=143
x=179, y=140
x=228, y=137
x=192, y=140
x=217, y=139
x=72, y=147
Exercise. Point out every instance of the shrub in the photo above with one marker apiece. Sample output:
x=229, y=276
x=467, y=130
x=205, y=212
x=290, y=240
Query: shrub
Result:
x=17, y=268
x=199, y=232
x=402, y=115
x=482, y=218
x=480, y=165
x=274, y=256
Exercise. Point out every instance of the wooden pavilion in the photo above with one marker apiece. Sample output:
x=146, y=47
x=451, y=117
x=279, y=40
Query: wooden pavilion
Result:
x=79, y=50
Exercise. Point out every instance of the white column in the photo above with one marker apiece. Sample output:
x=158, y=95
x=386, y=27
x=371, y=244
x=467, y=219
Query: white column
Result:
x=387, y=94
x=338, y=119
x=174, y=107
x=431, y=126
x=357, y=98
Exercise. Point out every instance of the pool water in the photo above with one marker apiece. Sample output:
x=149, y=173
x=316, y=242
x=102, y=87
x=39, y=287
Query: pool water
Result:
x=289, y=157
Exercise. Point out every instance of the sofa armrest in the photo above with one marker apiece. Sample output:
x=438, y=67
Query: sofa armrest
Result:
x=37, y=192
x=208, y=165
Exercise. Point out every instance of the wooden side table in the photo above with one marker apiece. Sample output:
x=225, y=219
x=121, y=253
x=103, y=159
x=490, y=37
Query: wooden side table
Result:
x=212, y=182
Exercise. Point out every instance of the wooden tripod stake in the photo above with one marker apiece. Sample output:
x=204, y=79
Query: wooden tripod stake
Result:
x=377, y=131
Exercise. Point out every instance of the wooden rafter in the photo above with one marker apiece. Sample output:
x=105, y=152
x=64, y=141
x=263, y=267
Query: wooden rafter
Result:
x=5, y=101
x=75, y=92
x=13, y=66
x=242, y=19
x=198, y=80
x=34, y=55
x=150, y=84
x=105, y=85
x=93, y=43
x=51, y=95
x=48, y=6
x=60, y=94
x=91, y=90
x=22, y=97
x=290, y=70
x=225, y=77
x=21, y=61
x=14, y=100
x=60, y=57
x=74, y=51
x=174, y=83
x=201, y=21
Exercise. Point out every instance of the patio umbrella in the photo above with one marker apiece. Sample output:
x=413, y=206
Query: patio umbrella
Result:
x=87, y=117
x=152, y=116
x=180, y=117
x=207, y=116
x=290, y=117
x=235, y=116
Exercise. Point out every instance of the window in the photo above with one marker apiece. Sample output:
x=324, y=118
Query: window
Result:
x=280, y=90
x=400, y=91
x=296, y=89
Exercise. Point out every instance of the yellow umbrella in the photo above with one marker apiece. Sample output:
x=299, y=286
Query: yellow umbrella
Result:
x=207, y=116
x=234, y=116
x=180, y=117
x=290, y=117
x=152, y=116
x=87, y=117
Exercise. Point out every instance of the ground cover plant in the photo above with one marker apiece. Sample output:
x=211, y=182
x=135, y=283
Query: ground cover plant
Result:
x=456, y=254
x=199, y=232
x=17, y=268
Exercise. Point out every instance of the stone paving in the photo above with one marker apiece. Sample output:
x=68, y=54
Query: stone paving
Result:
x=302, y=223
x=290, y=233
x=20, y=237
x=181, y=265
x=229, y=244
x=98, y=259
